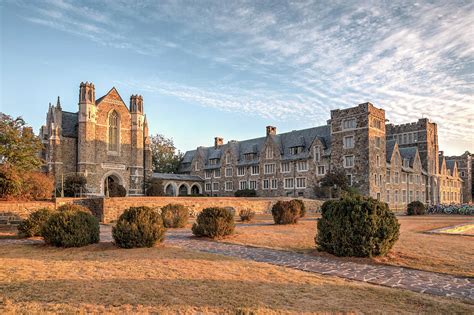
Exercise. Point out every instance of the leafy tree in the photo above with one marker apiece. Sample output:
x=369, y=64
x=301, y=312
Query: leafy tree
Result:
x=165, y=156
x=19, y=147
x=334, y=184
x=75, y=185
x=335, y=178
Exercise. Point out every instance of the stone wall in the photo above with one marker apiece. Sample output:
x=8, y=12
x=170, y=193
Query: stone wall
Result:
x=113, y=207
x=109, y=209
x=12, y=212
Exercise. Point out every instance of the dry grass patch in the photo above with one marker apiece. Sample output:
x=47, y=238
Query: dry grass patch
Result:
x=103, y=278
x=451, y=254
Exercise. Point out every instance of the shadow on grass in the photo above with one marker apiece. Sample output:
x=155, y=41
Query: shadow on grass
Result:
x=226, y=294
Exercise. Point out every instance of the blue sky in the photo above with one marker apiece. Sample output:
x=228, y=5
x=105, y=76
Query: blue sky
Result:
x=229, y=68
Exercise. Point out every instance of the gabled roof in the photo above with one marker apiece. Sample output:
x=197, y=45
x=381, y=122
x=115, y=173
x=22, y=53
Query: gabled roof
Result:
x=304, y=138
x=69, y=124
x=451, y=165
x=113, y=93
x=390, y=146
x=408, y=153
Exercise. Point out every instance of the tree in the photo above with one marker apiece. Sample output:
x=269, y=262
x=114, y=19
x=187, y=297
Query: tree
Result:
x=75, y=185
x=165, y=157
x=20, y=162
x=335, y=178
x=333, y=184
x=19, y=147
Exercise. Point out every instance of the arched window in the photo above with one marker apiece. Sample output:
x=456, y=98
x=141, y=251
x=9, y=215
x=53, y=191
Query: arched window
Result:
x=114, y=124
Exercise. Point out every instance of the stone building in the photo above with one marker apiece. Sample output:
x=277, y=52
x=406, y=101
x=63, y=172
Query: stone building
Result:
x=465, y=165
x=104, y=140
x=394, y=163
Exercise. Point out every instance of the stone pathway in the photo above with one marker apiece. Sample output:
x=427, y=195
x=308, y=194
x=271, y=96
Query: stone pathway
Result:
x=390, y=276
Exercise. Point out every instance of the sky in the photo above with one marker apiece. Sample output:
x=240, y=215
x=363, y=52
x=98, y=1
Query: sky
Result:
x=230, y=68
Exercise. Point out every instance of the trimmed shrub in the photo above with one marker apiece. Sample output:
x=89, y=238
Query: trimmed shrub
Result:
x=174, y=215
x=246, y=215
x=416, y=208
x=357, y=226
x=34, y=224
x=299, y=203
x=285, y=212
x=116, y=190
x=75, y=185
x=138, y=227
x=73, y=207
x=71, y=229
x=214, y=222
x=246, y=193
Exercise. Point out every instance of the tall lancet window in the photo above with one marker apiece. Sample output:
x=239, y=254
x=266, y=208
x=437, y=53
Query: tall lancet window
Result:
x=114, y=124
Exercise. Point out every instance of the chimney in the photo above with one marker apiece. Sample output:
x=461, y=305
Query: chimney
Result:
x=218, y=141
x=271, y=130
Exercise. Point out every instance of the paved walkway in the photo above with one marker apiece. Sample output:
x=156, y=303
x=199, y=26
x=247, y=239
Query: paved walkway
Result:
x=390, y=276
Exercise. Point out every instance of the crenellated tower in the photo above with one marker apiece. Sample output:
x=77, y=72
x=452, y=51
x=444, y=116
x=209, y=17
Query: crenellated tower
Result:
x=87, y=120
x=137, y=144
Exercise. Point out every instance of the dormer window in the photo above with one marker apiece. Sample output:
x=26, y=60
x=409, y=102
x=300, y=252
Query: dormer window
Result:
x=250, y=156
x=296, y=150
x=213, y=161
x=406, y=162
x=269, y=153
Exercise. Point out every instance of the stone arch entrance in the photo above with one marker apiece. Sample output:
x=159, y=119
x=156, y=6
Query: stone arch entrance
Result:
x=108, y=179
x=183, y=190
x=195, y=189
x=170, y=190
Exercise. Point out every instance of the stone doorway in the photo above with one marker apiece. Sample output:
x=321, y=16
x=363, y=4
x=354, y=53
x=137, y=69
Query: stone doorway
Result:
x=109, y=180
x=195, y=190
x=183, y=190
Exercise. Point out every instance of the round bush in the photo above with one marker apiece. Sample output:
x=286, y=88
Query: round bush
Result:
x=73, y=207
x=71, y=229
x=246, y=215
x=299, y=203
x=138, y=227
x=416, y=208
x=174, y=215
x=117, y=190
x=35, y=222
x=285, y=212
x=214, y=222
x=357, y=226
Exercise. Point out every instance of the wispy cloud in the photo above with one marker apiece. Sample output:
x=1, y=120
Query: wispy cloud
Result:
x=287, y=60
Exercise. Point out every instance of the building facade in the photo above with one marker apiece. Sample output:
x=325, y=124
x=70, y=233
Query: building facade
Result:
x=465, y=165
x=393, y=163
x=104, y=140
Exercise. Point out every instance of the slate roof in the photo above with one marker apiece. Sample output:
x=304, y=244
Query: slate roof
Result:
x=390, y=146
x=284, y=142
x=450, y=165
x=183, y=177
x=69, y=124
x=408, y=153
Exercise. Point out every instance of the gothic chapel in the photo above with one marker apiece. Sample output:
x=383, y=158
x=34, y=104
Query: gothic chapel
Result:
x=105, y=140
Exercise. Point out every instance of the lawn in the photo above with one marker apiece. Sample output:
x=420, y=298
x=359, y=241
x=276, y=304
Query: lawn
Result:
x=451, y=254
x=103, y=278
